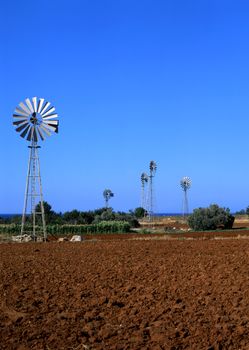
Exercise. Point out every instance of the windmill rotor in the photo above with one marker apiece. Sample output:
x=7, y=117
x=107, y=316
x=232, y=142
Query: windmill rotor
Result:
x=153, y=168
x=34, y=120
x=144, y=178
x=185, y=183
x=107, y=195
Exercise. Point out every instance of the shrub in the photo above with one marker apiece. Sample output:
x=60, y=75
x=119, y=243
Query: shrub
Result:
x=211, y=218
x=140, y=212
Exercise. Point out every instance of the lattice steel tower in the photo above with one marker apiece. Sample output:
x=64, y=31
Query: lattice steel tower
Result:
x=35, y=120
x=151, y=199
x=144, y=181
x=185, y=184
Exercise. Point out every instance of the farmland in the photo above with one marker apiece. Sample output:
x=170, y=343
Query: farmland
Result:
x=125, y=293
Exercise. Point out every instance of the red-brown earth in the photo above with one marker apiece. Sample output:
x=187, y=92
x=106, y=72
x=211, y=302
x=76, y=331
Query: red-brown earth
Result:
x=125, y=294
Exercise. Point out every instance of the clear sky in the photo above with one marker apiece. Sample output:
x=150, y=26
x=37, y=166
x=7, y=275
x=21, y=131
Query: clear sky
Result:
x=132, y=81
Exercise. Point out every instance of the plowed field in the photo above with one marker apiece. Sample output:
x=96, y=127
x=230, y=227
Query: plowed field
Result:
x=125, y=294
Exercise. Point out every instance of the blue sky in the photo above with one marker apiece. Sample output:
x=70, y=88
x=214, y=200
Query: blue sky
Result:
x=132, y=81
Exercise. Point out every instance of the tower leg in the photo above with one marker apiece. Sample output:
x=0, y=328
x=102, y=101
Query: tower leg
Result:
x=41, y=198
x=26, y=194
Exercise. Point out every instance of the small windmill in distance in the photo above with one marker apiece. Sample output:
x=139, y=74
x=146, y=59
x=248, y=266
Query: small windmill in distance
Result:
x=107, y=195
x=185, y=184
x=153, y=168
x=144, y=181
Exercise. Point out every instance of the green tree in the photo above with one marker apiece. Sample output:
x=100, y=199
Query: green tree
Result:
x=86, y=217
x=51, y=217
x=140, y=212
x=242, y=212
x=211, y=218
x=72, y=217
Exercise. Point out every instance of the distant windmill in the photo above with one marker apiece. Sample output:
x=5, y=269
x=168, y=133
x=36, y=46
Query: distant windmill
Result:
x=185, y=184
x=151, y=199
x=107, y=195
x=144, y=181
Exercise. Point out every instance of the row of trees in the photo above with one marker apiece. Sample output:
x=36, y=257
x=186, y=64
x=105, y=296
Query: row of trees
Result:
x=243, y=212
x=211, y=218
x=76, y=217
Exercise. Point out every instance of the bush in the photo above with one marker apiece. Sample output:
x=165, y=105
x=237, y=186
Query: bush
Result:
x=140, y=212
x=211, y=218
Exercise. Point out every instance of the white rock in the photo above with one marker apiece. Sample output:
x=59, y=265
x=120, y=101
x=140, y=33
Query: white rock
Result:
x=21, y=238
x=76, y=238
x=62, y=239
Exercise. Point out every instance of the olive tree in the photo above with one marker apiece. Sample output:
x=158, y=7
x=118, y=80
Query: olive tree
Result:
x=211, y=218
x=140, y=212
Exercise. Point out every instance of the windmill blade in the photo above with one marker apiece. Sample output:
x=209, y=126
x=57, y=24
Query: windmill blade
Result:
x=50, y=116
x=51, y=127
x=47, y=132
x=41, y=100
x=30, y=134
x=29, y=104
x=52, y=109
x=21, y=112
x=20, y=128
x=51, y=122
x=41, y=134
x=47, y=104
x=19, y=122
x=19, y=117
x=25, y=108
x=23, y=134
x=34, y=99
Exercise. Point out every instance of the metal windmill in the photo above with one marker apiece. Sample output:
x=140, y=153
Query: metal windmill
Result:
x=144, y=181
x=35, y=119
x=185, y=184
x=151, y=199
x=107, y=195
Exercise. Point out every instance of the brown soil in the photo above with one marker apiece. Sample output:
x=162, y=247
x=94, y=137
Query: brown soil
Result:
x=125, y=294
